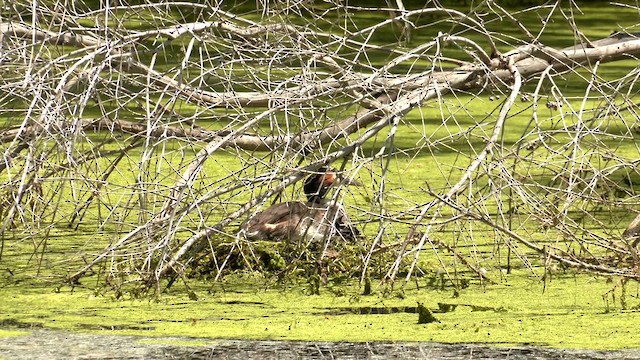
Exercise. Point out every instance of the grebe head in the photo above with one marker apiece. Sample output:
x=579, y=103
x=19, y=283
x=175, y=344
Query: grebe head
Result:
x=317, y=186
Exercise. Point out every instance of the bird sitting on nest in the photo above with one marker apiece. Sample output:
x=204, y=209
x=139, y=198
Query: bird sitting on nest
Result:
x=317, y=219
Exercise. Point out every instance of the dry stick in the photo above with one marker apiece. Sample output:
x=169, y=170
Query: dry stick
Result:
x=400, y=108
x=239, y=140
x=420, y=12
x=173, y=32
x=247, y=99
x=188, y=177
x=527, y=67
x=562, y=60
x=482, y=55
x=66, y=38
x=466, y=177
x=6, y=161
x=127, y=7
x=62, y=38
x=406, y=29
x=607, y=49
x=534, y=118
x=520, y=26
x=456, y=80
x=112, y=167
x=214, y=99
x=30, y=162
x=380, y=196
x=572, y=161
x=92, y=154
x=361, y=119
x=225, y=26
x=570, y=19
x=50, y=110
x=160, y=220
x=529, y=60
x=532, y=60
x=574, y=263
x=65, y=83
x=481, y=274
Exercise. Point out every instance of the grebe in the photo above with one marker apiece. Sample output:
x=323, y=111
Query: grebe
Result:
x=315, y=220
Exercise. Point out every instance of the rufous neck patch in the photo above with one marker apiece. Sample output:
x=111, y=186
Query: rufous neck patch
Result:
x=328, y=179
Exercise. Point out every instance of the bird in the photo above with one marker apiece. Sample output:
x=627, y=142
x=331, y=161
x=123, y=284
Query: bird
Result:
x=633, y=231
x=315, y=220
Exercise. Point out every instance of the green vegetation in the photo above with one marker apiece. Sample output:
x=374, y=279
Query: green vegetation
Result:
x=275, y=291
x=568, y=312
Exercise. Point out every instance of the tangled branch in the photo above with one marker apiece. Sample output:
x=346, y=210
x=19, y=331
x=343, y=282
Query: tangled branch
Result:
x=160, y=138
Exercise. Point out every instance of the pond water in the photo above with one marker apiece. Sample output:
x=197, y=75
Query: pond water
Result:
x=50, y=344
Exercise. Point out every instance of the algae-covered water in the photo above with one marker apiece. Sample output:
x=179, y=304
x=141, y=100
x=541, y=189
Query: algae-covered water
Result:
x=570, y=314
x=575, y=311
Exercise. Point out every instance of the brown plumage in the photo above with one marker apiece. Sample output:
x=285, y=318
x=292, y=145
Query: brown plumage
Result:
x=316, y=219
